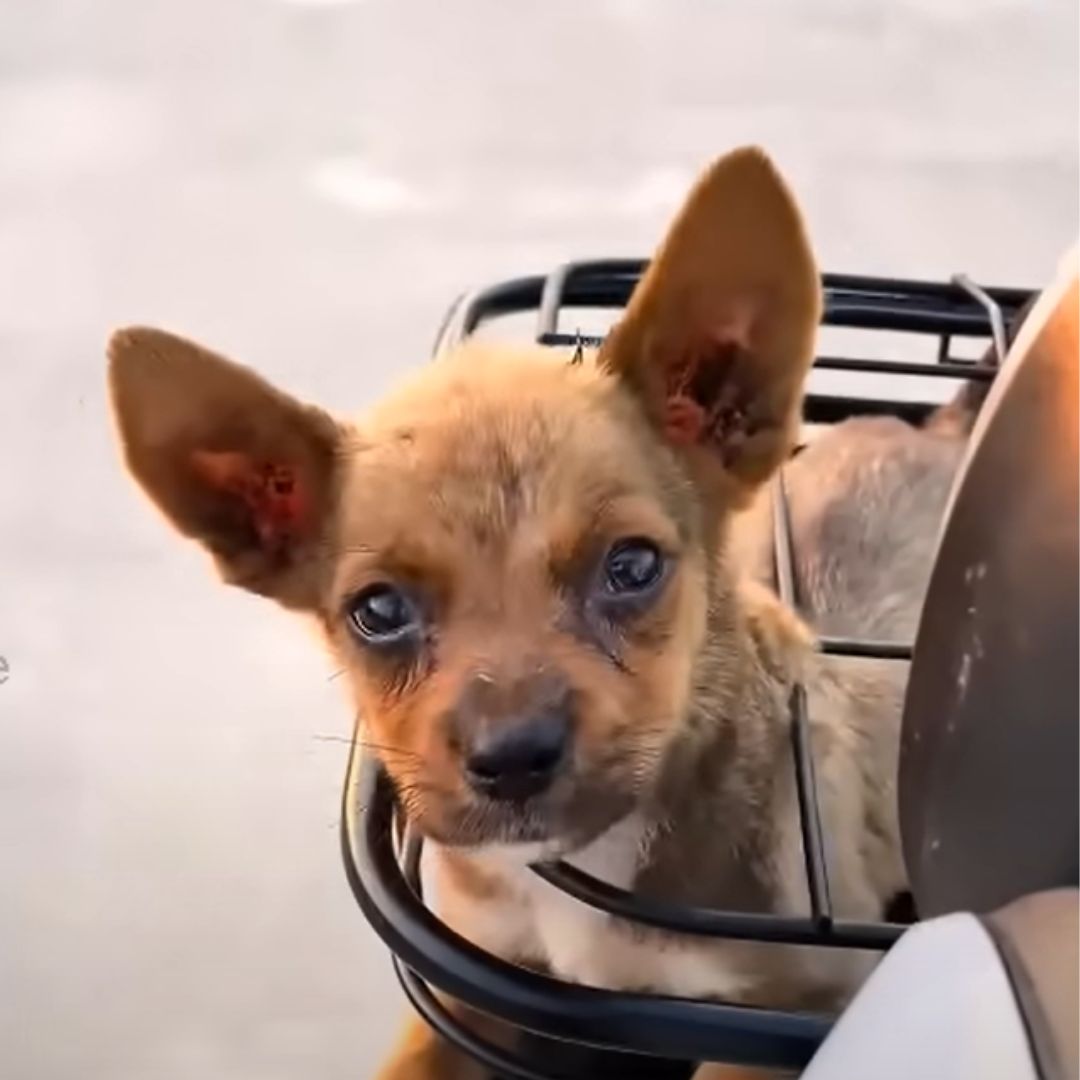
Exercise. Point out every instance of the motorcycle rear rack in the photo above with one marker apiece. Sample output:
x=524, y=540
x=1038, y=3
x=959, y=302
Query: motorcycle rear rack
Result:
x=382, y=857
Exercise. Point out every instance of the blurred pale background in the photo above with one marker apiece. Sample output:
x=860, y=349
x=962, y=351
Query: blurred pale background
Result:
x=306, y=186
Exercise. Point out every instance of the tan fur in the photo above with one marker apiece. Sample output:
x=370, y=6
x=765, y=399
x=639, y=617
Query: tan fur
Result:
x=418, y=1054
x=490, y=488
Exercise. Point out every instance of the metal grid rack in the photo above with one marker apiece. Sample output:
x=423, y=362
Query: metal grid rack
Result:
x=382, y=859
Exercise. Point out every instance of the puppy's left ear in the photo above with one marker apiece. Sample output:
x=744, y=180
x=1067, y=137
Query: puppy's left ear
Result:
x=719, y=334
x=230, y=460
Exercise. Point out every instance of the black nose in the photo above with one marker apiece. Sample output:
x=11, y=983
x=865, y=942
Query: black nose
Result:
x=517, y=759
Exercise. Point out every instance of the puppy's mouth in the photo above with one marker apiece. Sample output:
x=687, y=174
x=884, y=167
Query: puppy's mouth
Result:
x=551, y=826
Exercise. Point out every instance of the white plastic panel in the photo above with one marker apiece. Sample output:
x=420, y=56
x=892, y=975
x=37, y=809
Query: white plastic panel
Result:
x=938, y=1007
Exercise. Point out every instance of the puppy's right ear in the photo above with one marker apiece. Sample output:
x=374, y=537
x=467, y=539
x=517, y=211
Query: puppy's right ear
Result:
x=231, y=461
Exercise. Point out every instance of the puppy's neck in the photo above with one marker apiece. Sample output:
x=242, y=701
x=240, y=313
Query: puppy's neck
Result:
x=777, y=641
x=721, y=768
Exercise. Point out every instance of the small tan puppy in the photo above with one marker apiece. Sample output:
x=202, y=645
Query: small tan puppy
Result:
x=547, y=583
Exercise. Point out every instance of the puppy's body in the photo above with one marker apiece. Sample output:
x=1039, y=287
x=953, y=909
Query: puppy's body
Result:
x=548, y=585
x=720, y=827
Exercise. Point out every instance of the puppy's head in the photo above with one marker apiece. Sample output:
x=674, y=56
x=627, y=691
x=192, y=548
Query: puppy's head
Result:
x=514, y=558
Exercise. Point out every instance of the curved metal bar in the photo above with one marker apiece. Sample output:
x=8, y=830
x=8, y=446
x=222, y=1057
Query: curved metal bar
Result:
x=706, y=922
x=664, y=1027
x=945, y=369
x=431, y=1009
x=625, y=273
x=534, y=1058
x=940, y=369
x=449, y=332
x=506, y=298
x=867, y=314
x=817, y=875
x=993, y=313
x=871, y=650
x=551, y=302
x=870, y=303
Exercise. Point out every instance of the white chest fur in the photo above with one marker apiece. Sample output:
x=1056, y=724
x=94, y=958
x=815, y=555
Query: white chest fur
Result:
x=533, y=919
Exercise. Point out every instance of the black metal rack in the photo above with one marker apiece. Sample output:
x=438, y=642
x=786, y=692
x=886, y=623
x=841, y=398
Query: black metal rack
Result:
x=382, y=859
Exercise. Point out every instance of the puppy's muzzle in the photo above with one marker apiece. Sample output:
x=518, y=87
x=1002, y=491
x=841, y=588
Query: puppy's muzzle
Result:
x=519, y=760
x=514, y=740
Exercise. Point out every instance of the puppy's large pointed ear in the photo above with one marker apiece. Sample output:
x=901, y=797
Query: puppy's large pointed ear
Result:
x=231, y=461
x=719, y=334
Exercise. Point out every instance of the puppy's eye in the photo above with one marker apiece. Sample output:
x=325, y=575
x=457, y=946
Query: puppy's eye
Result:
x=382, y=615
x=632, y=566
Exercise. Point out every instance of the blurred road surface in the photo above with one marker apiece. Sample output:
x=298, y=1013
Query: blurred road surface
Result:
x=306, y=185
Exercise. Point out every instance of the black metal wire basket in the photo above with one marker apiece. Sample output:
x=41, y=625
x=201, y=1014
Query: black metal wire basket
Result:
x=663, y=1035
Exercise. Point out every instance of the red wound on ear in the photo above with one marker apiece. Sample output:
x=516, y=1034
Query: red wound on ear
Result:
x=703, y=398
x=276, y=499
x=684, y=421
